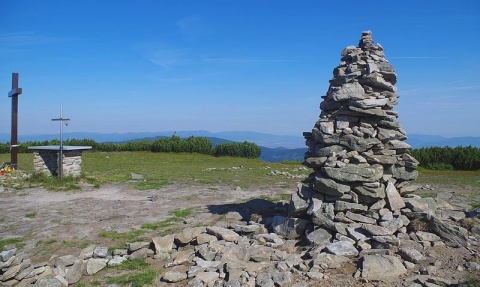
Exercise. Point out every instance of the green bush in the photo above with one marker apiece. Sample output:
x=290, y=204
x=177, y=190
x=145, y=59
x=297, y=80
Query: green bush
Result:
x=447, y=158
x=176, y=144
x=245, y=149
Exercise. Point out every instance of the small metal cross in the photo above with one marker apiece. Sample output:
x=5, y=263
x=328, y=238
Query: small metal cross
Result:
x=61, y=119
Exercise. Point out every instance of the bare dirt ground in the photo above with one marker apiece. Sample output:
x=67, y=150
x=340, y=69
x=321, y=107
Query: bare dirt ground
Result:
x=74, y=218
x=59, y=223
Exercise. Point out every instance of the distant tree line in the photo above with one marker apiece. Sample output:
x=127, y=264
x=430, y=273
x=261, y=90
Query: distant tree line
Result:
x=448, y=158
x=173, y=144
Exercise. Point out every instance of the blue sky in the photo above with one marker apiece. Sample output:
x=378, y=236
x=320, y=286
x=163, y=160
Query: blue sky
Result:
x=146, y=66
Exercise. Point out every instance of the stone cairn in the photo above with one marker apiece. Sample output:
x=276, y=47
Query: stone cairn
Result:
x=361, y=164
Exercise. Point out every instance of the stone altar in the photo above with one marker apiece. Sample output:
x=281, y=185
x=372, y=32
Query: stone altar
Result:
x=45, y=159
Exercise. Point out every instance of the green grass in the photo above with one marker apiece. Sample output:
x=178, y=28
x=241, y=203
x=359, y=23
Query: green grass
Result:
x=178, y=215
x=32, y=214
x=131, y=236
x=17, y=241
x=46, y=242
x=142, y=274
x=161, y=169
x=182, y=213
x=448, y=177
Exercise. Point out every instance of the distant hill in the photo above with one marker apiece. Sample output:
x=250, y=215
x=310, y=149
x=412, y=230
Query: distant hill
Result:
x=419, y=141
x=275, y=148
x=266, y=140
x=282, y=154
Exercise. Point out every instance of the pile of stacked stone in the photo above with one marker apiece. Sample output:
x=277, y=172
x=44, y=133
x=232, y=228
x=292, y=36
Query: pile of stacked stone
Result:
x=357, y=151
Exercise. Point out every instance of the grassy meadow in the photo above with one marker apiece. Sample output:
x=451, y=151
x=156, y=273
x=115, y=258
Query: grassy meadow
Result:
x=160, y=169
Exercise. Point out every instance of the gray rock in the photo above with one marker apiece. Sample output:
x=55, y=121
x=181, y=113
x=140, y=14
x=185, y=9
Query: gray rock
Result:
x=100, y=252
x=132, y=247
x=174, y=276
x=370, y=192
x=387, y=134
x=163, y=244
x=66, y=260
x=369, y=103
x=74, y=272
x=394, y=199
x=471, y=265
x=189, y=234
x=392, y=225
x=264, y=279
x=116, y=260
x=402, y=173
x=5, y=255
x=344, y=248
x=298, y=206
x=377, y=230
x=329, y=186
x=260, y=253
x=223, y=233
x=355, y=173
x=26, y=273
x=382, y=267
x=369, y=112
x=360, y=218
x=94, y=265
x=453, y=235
x=236, y=253
x=319, y=237
x=182, y=257
x=427, y=236
x=49, y=282
x=348, y=91
x=412, y=255
x=357, y=233
x=14, y=270
x=208, y=277
x=341, y=205
x=282, y=279
x=292, y=228
x=206, y=252
x=326, y=151
x=136, y=176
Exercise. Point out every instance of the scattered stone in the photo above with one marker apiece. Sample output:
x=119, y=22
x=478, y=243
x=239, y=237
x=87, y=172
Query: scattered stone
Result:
x=381, y=267
x=411, y=255
x=344, y=248
x=94, y=265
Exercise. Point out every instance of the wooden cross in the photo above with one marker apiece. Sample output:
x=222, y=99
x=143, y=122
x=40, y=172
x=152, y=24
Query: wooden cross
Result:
x=14, y=141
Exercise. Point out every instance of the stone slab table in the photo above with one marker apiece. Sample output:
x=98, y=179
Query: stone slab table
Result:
x=45, y=159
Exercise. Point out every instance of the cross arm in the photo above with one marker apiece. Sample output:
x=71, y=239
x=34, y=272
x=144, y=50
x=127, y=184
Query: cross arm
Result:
x=15, y=92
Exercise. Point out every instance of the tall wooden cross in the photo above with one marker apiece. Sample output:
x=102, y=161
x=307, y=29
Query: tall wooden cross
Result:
x=14, y=140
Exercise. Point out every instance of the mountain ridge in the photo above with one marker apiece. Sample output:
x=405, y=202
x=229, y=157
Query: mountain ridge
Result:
x=275, y=148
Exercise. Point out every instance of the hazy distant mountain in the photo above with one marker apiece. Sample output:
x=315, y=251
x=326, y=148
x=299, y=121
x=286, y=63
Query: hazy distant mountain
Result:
x=266, y=140
x=282, y=154
x=275, y=148
x=419, y=141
